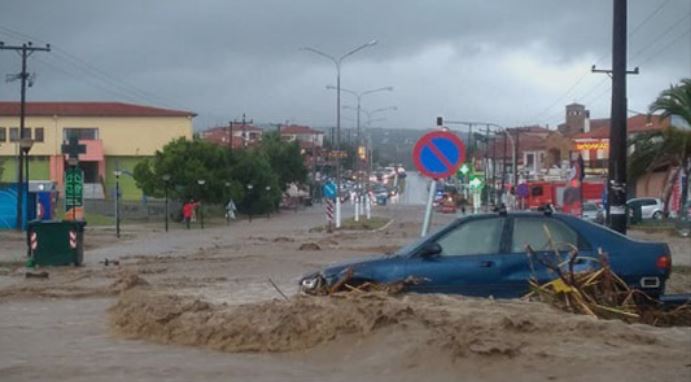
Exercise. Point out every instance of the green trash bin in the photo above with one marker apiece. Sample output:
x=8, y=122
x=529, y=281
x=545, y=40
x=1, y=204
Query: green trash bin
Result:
x=56, y=242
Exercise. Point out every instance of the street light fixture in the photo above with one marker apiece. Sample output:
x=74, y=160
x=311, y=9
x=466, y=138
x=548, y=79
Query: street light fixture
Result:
x=201, y=183
x=338, y=61
x=166, y=181
x=117, y=174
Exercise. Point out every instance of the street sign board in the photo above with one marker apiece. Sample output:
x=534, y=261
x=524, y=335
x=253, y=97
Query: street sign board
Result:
x=522, y=191
x=329, y=190
x=438, y=154
x=74, y=187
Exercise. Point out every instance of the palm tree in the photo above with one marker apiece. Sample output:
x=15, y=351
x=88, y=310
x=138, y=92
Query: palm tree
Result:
x=673, y=145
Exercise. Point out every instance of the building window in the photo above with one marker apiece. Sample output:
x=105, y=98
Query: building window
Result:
x=3, y=134
x=82, y=133
x=26, y=134
x=14, y=134
x=38, y=134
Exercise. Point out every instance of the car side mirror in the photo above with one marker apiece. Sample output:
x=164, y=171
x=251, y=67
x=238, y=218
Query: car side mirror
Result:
x=430, y=250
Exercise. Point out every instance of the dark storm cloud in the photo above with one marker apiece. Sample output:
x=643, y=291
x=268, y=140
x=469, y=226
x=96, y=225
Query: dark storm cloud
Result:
x=506, y=61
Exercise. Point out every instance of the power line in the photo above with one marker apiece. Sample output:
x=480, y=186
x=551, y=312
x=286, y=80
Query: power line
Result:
x=660, y=36
x=605, y=91
x=99, y=74
x=665, y=47
x=78, y=76
x=637, y=28
x=650, y=16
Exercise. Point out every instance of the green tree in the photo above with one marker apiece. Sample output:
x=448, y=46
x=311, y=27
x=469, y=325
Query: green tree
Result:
x=187, y=162
x=285, y=159
x=253, y=169
x=668, y=147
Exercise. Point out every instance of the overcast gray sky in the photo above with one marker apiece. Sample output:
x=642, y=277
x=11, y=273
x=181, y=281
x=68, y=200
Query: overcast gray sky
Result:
x=506, y=61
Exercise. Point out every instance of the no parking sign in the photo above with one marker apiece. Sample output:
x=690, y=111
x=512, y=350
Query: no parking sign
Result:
x=439, y=154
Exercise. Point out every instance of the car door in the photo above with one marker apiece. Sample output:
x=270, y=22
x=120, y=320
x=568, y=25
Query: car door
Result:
x=469, y=261
x=543, y=234
x=648, y=207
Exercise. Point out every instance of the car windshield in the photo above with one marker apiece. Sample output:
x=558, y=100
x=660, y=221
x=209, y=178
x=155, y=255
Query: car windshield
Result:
x=407, y=249
x=589, y=207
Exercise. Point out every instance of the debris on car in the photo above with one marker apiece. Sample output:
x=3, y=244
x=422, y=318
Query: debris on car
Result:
x=601, y=293
x=348, y=283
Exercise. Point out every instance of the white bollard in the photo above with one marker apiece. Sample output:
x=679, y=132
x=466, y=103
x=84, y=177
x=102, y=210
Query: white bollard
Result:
x=338, y=212
x=356, y=202
x=368, y=206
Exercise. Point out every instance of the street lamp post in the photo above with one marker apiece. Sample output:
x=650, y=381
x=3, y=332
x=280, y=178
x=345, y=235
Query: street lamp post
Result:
x=166, y=181
x=25, y=145
x=359, y=110
x=338, y=61
x=370, y=160
x=117, y=174
x=268, y=189
x=201, y=183
x=249, y=191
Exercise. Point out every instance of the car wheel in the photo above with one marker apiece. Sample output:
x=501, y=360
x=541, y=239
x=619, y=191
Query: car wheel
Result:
x=657, y=215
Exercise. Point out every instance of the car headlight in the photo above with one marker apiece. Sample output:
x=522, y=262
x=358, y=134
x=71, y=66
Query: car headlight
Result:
x=311, y=283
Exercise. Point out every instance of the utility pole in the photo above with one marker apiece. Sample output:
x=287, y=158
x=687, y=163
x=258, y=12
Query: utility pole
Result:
x=494, y=169
x=518, y=150
x=243, y=129
x=503, y=165
x=25, y=50
x=230, y=136
x=616, y=178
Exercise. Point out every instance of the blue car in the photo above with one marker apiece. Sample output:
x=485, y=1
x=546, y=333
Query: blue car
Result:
x=485, y=255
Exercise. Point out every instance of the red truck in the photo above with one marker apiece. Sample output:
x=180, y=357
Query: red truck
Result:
x=542, y=193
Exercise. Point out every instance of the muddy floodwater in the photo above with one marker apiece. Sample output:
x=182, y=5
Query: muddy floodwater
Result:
x=198, y=305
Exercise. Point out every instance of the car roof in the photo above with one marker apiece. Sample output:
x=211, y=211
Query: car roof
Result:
x=514, y=214
x=643, y=198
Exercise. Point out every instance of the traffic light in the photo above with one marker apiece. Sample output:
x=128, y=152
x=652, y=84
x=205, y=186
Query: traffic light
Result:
x=440, y=121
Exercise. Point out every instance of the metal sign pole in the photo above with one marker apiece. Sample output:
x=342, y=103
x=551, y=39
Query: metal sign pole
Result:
x=428, y=209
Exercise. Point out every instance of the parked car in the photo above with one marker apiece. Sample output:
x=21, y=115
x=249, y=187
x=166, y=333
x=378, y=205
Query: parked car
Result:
x=651, y=208
x=485, y=255
x=381, y=194
x=593, y=213
x=447, y=204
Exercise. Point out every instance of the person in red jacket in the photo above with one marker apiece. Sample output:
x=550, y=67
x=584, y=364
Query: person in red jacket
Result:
x=187, y=211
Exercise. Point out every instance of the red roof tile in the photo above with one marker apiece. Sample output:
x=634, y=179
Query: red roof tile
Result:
x=297, y=129
x=636, y=124
x=236, y=127
x=90, y=109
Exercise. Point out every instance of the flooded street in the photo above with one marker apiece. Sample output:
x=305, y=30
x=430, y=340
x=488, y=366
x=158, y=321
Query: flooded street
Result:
x=181, y=306
x=415, y=189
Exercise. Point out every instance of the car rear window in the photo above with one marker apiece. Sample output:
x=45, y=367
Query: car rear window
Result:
x=534, y=232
